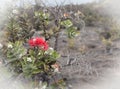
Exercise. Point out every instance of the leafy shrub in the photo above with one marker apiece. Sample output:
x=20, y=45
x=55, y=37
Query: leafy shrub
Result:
x=27, y=50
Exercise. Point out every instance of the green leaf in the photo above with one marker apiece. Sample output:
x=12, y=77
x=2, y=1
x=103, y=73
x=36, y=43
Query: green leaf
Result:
x=66, y=23
x=42, y=15
x=36, y=71
x=17, y=51
x=55, y=55
x=36, y=13
x=72, y=32
x=29, y=69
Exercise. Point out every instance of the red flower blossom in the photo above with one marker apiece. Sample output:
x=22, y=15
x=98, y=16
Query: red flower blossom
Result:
x=38, y=42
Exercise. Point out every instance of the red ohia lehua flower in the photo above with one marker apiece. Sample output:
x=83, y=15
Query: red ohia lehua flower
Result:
x=38, y=42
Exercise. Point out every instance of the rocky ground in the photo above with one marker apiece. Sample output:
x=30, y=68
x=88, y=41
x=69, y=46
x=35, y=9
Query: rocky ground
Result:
x=89, y=63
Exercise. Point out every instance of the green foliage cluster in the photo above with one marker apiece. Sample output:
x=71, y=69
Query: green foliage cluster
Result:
x=23, y=25
x=29, y=61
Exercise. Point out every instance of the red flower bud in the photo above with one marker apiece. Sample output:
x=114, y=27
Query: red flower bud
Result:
x=38, y=42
